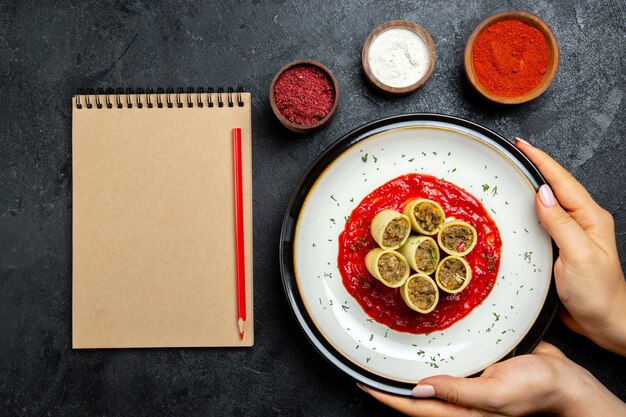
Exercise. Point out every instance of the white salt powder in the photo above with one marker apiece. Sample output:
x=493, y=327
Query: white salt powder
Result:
x=398, y=57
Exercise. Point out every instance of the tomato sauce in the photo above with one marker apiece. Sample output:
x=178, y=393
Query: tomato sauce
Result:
x=384, y=304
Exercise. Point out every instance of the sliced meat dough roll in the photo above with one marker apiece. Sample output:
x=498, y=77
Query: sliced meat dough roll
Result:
x=426, y=216
x=390, y=229
x=420, y=293
x=422, y=253
x=457, y=237
x=453, y=274
x=387, y=266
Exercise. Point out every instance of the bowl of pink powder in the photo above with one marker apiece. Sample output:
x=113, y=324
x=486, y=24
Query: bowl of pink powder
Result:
x=304, y=96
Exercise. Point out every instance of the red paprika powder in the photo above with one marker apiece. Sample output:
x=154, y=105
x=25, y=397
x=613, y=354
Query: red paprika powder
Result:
x=304, y=94
x=510, y=58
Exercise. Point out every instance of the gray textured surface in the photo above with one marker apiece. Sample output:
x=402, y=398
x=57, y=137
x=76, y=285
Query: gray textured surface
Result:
x=48, y=49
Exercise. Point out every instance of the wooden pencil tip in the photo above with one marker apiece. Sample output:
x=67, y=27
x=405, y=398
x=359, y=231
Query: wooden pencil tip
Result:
x=240, y=324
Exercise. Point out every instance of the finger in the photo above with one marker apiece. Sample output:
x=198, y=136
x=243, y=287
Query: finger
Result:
x=468, y=392
x=420, y=407
x=545, y=348
x=571, y=194
x=570, y=322
x=565, y=231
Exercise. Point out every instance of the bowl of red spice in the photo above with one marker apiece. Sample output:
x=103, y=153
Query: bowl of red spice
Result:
x=304, y=96
x=511, y=57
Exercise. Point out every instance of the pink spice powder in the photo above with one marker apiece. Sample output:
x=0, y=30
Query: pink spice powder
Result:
x=304, y=94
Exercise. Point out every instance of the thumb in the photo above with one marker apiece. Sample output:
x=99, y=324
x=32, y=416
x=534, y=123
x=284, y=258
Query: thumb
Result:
x=567, y=234
x=570, y=322
x=468, y=392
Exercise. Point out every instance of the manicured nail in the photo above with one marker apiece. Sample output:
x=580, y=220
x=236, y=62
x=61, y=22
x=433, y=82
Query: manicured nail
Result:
x=520, y=140
x=423, y=391
x=546, y=196
x=362, y=387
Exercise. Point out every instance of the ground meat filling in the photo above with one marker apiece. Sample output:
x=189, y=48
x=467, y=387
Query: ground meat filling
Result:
x=426, y=256
x=427, y=216
x=452, y=274
x=421, y=293
x=395, y=232
x=391, y=268
x=457, y=237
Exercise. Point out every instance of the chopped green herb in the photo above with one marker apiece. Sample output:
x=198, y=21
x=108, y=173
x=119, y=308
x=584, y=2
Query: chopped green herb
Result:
x=332, y=197
x=412, y=159
x=527, y=256
x=485, y=187
x=364, y=158
x=375, y=159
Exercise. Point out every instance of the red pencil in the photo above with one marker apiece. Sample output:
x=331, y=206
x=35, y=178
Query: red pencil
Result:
x=239, y=230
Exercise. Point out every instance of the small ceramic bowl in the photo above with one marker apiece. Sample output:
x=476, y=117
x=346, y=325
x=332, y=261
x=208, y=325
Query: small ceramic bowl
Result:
x=553, y=56
x=294, y=127
x=398, y=24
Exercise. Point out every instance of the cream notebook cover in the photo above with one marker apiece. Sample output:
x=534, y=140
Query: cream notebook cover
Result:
x=153, y=219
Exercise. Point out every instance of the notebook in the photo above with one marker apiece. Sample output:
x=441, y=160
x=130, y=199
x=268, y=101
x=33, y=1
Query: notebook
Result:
x=153, y=218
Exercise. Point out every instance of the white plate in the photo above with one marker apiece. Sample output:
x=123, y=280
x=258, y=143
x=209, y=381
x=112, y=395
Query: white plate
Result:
x=469, y=159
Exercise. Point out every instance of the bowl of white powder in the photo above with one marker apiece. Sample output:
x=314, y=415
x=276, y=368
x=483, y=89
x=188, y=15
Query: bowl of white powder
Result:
x=398, y=57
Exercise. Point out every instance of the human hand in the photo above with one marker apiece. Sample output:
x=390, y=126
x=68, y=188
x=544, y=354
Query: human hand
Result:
x=588, y=275
x=542, y=382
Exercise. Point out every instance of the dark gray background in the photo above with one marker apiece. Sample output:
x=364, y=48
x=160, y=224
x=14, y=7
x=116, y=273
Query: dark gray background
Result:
x=49, y=49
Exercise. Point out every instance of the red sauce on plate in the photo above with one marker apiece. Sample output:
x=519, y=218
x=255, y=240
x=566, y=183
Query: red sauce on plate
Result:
x=385, y=305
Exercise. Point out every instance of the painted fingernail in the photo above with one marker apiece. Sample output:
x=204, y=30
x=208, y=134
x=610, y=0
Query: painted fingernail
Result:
x=362, y=387
x=520, y=140
x=423, y=391
x=546, y=196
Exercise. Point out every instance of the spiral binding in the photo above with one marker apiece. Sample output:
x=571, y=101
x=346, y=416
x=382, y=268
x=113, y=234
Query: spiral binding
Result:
x=87, y=98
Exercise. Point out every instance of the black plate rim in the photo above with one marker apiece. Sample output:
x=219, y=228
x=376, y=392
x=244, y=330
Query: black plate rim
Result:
x=319, y=342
